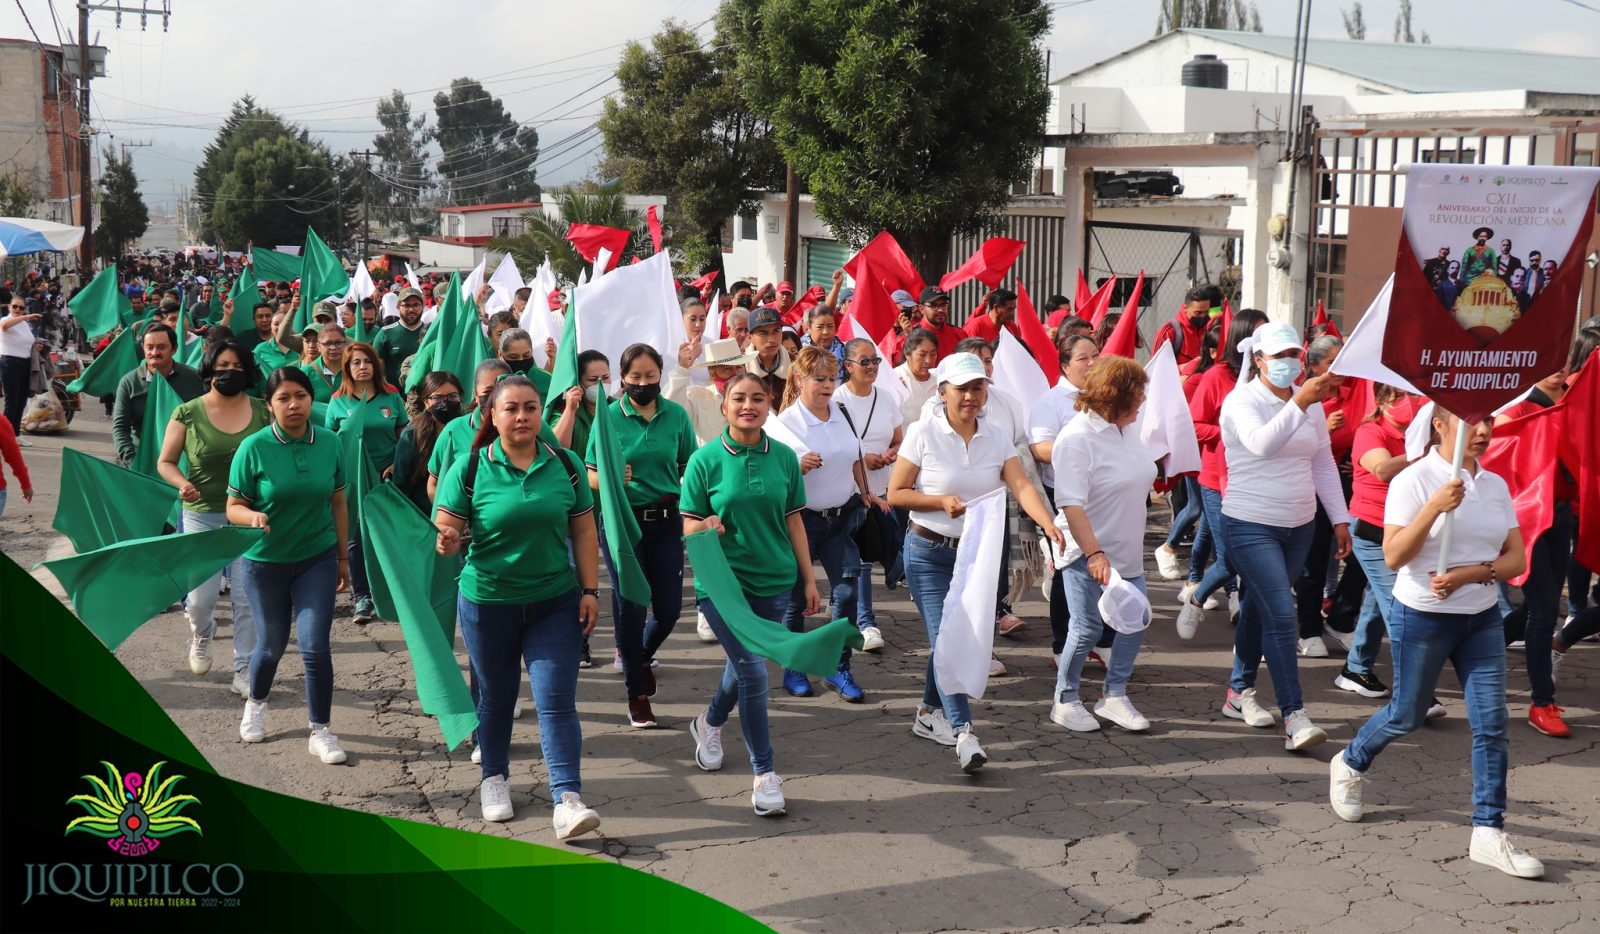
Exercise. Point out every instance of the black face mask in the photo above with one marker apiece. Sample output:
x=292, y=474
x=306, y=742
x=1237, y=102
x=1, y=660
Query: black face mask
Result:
x=1199, y=320
x=228, y=382
x=445, y=411
x=643, y=393
x=520, y=366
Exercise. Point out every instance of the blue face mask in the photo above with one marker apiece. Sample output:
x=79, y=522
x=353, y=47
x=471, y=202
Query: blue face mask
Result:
x=1283, y=371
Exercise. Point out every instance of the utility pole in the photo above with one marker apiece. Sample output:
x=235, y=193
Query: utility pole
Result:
x=365, y=155
x=791, y=226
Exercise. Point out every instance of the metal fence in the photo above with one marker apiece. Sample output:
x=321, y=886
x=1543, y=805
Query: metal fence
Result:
x=1173, y=259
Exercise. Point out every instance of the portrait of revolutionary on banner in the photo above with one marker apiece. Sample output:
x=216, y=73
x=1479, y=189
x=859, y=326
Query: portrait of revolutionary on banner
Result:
x=1487, y=278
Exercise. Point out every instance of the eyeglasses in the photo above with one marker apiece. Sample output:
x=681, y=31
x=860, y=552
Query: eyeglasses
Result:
x=19, y=307
x=332, y=345
x=866, y=361
x=446, y=397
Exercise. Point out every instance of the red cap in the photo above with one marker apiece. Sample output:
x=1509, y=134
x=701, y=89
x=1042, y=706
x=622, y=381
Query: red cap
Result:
x=786, y=287
x=1059, y=315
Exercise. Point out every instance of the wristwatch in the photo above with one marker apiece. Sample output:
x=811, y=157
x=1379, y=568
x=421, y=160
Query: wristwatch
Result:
x=592, y=592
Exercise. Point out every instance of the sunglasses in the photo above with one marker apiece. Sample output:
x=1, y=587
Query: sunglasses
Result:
x=866, y=361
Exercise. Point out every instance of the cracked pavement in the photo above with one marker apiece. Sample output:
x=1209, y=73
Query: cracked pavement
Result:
x=1201, y=823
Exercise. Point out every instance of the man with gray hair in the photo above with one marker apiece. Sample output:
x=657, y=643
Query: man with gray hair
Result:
x=325, y=370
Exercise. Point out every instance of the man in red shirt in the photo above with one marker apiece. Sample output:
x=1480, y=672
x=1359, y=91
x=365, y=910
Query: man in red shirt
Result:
x=935, y=304
x=999, y=310
x=1187, y=330
x=785, y=298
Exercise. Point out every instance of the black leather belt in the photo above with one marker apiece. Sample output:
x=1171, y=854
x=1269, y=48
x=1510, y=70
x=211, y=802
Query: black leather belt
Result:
x=1368, y=532
x=922, y=531
x=656, y=513
x=833, y=513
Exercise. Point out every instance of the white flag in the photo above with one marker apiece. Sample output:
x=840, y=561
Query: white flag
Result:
x=966, y=634
x=630, y=305
x=1016, y=373
x=474, y=281
x=1362, y=353
x=505, y=282
x=1165, y=427
x=361, y=285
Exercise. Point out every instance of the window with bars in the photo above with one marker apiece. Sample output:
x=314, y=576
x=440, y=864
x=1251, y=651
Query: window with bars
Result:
x=506, y=226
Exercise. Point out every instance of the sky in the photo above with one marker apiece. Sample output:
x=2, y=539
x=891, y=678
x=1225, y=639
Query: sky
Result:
x=549, y=62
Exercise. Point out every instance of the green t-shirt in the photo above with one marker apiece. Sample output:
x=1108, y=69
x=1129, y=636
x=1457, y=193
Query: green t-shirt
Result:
x=581, y=423
x=269, y=357
x=323, y=385
x=518, y=551
x=753, y=490
x=394, y=344
x=290, y=479
x=657, y=449
x=382, y=417
x=210, y=451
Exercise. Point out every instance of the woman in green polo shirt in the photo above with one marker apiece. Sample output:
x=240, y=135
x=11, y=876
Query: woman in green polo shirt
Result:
x=438, y=404
x=288, y=479
x=748, y=489
x=571, y=414
x=656, y=440
x=365, y=399
x=456, y=438
x=526, y=505
x=208, y=430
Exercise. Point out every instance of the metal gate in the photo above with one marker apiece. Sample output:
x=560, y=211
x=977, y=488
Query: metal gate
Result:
x=1174, y=259
x=1041, y=266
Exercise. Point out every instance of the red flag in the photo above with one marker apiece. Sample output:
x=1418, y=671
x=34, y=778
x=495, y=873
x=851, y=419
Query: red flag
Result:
x=1323, y=319
x=1081, y=298
x=704, y=283
x=1099, y=303
x=988, y=264
x=1033, y=335
x=1124, y=339
x=652, y=216
x=1580, y=451
x=1227, y=321
x=806, y=302
x=590, y=239
x=1133, y=301
x=1360, y=401
x=554, y=300
x=1523, y=453
x=873, y=310
x=888, y=262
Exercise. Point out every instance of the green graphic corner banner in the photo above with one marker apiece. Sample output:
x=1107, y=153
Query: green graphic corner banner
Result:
x=125, y=826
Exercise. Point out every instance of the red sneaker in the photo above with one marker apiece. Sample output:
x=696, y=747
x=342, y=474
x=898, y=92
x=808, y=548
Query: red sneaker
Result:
x=640, y=715
x=1546, y=718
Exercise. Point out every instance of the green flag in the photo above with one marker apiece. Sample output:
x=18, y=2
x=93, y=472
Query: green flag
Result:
x=100, y=305
x=274, y=266
x=815, y=652
x=417, y=586
x=321, y=275
x=246, y=296
x=621, y=526
x=118, y=588
x=564, y=373
x=102, y=504
x=158, y=405
x=461, y=344
x=188, y=352
x=108, y=369
x=422, y=363
x=214, y=315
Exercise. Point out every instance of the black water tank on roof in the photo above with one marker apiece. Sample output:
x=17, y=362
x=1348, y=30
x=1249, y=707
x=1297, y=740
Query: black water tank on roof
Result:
x=1205, y=71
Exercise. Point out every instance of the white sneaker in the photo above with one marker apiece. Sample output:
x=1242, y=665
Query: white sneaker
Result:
x=872, y=639
x=1344, y=789
x=572, y=817
x=1120, y=710
x=1435, y=710
x=324, y=745
x=1189, y=619
x=253, y=728
x=1491, y=846
x=1186, y=591
x=516, y=710
x=703, y=629
x=1167, y=563
x=931, y=724
x=1555, y=663
x=1073, y=716
x=766, y=795
x=1233, y=603
x=616, y=660
x=1300, y=733
x=968, y=752
x=200, y=654
x=1244, y=707
x=997, y=668
x=494, y=797
x=241, y=682
x=1212, y=602
x=707, y=743
x=477, y=754
x=1313, y=647
x=1343, y=639
x=1517, y=644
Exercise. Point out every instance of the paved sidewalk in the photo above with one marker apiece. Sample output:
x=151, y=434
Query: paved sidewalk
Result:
x=1201, y=823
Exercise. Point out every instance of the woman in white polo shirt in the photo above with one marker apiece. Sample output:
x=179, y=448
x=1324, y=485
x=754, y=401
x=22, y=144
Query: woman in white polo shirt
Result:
x=836, y=490
x=1280, y=464
x=1077, y=352
x=1105, y=473
x=947, y=459
x=1452, y=616
x=876, y=421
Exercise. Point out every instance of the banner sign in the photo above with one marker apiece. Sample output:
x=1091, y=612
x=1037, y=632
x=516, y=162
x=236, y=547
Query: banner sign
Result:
x=1487, y=279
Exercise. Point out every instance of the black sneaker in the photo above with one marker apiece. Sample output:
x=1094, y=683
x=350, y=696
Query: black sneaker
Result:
x=1365, y=685
x=584, y=661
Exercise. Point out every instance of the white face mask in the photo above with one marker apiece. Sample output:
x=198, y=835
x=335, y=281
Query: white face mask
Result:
x=1283, y=371
x=591, y=394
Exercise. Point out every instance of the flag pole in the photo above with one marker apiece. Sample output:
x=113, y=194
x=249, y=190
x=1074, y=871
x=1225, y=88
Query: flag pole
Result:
x=1447, y=532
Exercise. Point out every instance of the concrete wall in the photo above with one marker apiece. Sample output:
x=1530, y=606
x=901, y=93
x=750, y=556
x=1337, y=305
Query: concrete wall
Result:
x=761, y=260
x=448, y=255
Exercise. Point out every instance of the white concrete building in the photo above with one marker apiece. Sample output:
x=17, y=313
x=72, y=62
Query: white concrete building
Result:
x=465, y=231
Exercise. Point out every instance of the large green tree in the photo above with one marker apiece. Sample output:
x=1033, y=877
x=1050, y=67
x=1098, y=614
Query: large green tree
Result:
x=911, y=117
x=123, y=215
x=680, y=126
x=486, y=155
x=402, y=149
x=544, y=236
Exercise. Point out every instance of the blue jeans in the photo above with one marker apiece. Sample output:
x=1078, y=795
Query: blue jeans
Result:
x=1204, y=548
x=2, y=502
x=546, y=636
x=1376, y=606
x=1541, y=598
x=660, y=554
x=1269, y=559
x=1221, y=571
x=359, y=588
x=1086, y=627
x=832, y=541
x=202, y=603
x=929, y=566
x=744, y=680
x=864, y=615
x=1421, y=643
x=300, y=593
x=1193, y=509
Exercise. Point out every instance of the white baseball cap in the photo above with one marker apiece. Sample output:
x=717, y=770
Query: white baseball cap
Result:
x=1123, y=607
x=1275, y=338
x=959, y=369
